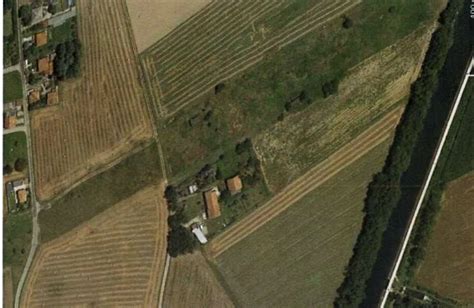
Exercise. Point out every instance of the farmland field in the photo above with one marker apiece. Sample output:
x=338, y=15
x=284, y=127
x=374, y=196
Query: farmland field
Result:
x=314, y=178
x=298, y=258
x=103, y=114
x=8, y=293
x=115, y=259
x=252, y=103
x=448, y=267
x=191, y=283
x=153, y=19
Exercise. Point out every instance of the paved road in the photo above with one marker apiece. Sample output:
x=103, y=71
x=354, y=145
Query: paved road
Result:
x=35, y=208
x=426, y=184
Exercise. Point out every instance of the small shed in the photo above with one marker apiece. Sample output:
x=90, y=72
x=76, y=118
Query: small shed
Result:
x=212, y=204
x=199, y=234
x=234, y=185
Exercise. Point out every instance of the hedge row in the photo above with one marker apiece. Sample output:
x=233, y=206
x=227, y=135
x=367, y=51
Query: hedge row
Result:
x=384, y=190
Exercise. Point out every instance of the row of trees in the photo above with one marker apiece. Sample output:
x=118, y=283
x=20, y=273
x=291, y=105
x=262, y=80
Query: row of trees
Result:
x=19, y=165
x=384, y=190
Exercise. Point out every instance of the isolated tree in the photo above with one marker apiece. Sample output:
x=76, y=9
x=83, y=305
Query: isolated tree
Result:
x=329, y=88
x=347, y=22
x=218, y=88
x=7, y=169
x=20, y=164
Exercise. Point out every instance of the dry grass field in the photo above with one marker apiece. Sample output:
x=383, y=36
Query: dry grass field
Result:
x=153, y=19
x=297, y=259
x=8, y=292
x=314, y=178
x=103, y=114
x=224, y=39
x=368, y=92
x=114, y=259
x=448, y=267
x=191, y=283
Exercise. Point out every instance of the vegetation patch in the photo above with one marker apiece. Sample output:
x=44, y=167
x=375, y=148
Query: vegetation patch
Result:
x=15, y=154
x=384, y=190
x=10, y=24
x=17, y=232
x=297, y=259
x=100, y=192
x=12, y=85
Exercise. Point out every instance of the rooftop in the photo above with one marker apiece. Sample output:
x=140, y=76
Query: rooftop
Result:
x=212, y=204
x=234, y=184
x=41, y=38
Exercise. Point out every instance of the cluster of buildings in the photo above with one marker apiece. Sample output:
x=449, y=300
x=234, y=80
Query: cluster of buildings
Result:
x=17, y=194
x=213, y=208
x=13, y=114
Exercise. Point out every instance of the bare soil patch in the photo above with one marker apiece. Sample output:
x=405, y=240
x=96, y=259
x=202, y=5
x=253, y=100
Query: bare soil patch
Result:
x=153, y=19
x=448, y=267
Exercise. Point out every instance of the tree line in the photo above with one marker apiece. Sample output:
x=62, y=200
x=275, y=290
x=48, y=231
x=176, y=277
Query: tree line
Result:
x=384, y=190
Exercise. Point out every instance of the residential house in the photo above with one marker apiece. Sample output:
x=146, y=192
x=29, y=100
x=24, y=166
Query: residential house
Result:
x=22, y=195
x=41, y=38
x=46, y=65
x=34, y=96
x=234, y=185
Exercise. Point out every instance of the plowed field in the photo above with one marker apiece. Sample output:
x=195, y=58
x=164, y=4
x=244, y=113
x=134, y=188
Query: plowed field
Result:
x=115, y=259
x=224, y=39
x=103, y=114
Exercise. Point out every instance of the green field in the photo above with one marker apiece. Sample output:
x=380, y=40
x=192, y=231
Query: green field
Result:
x=17, y=230
x=12, y=86
x=100, y=192
x=298, y=258
x=255, y=100
x=14, y=147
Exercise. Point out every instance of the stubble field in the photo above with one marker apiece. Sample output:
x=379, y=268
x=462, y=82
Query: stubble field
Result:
x=297, y=259
x=191, y=283
x=115, y=259
x=103, y=114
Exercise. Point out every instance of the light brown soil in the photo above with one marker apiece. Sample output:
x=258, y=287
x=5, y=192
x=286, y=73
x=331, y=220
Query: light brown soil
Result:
x=8, y=293
x=153, y=19
x=103, y=114
x=448, y=267
x=115, y=259
x=306, y=183
x=191, y=283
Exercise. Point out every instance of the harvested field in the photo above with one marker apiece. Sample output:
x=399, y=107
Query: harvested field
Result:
x=115, y=259
x=370, y=89
x=224, y=39
x=103, y=114
x=314, y=178
x=298, y=258
x=153, y=19
x=8, y=293
x=448, y=266
x=191, y=283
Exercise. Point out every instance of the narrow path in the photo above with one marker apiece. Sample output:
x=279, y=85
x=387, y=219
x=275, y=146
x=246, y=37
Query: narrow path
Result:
x=426, y=184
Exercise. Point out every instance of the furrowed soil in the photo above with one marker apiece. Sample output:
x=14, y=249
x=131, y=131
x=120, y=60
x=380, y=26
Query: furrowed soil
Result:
x=448, y=266
x=191, y=283
x=298, y=258
x=115, y=259
x=103, y=114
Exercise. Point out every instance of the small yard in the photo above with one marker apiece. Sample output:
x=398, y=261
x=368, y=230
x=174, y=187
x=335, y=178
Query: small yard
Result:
x=12, y=86
x=14, y=149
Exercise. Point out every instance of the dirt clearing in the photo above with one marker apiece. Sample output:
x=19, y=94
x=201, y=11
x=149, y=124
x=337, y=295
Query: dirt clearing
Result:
x=153, y=19
x=103, y=114
x=191, y=283
x=115, y=259
x=448, y=267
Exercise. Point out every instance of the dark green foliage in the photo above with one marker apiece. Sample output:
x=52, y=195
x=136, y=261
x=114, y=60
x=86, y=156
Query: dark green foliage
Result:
x=243, y=146
x=218, y=88
x=347, y=22
x=330, y=87
x=21, y=164
x=171, y=197
x=7, y=5
x=384, y=192
x=67, y=61
x=180, y=241
x=7, y=169
x=25, y=14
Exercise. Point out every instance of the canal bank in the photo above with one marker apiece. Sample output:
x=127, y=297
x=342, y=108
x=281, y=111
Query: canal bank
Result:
x=411, y=181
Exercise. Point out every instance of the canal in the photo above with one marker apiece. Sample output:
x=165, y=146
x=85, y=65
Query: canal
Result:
x=411, y=181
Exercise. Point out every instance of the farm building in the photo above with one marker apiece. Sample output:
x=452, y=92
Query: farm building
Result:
x=199, y=234
x=45, y=66
x=234, y=185
x=41, y=38
x=22, y=195
x=53, y=97
x=212, y=204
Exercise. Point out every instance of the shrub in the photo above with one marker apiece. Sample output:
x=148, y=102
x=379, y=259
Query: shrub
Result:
x=347, y=22
x=330, y=87
x=218, y=88
x=25, y=13
x=7, y=169
x=20, y=164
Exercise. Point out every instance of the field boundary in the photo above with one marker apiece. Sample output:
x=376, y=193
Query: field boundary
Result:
x=313, y=178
